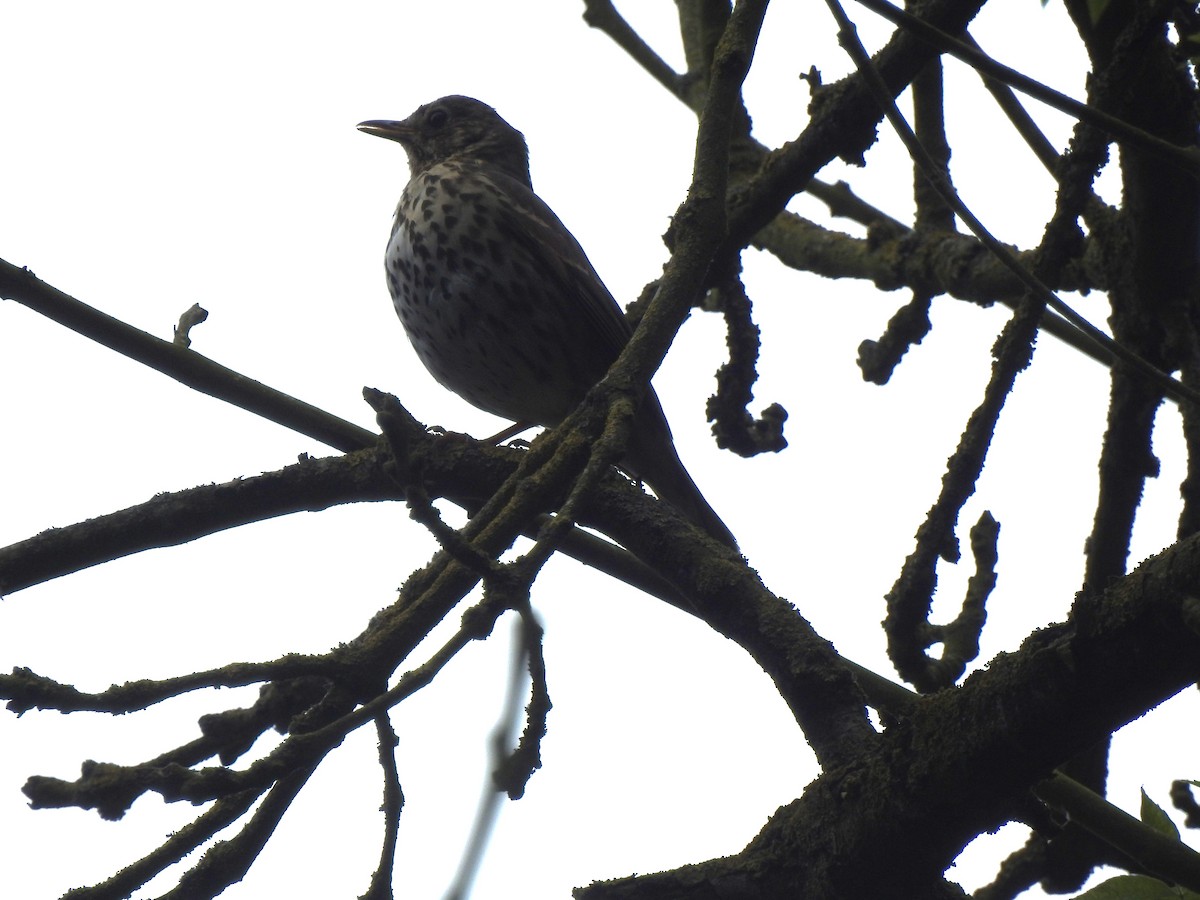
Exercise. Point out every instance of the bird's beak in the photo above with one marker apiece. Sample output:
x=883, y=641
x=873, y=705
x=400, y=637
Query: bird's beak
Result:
x=393, y=131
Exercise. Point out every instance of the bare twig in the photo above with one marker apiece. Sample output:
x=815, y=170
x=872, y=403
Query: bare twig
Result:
x=185, y=366
x=192, y=316
x=393, y=803
x=603, y=15
x=849, y=39
x=1186, y=158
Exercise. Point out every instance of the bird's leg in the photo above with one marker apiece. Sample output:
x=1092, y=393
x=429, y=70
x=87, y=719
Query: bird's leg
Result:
x=511, y=431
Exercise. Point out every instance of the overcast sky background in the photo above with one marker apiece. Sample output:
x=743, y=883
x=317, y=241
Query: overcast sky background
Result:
x=160, y=155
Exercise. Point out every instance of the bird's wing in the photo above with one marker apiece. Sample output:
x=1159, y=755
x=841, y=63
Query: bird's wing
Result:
x=554, y=254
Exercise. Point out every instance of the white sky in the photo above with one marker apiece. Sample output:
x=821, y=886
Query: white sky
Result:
x=159, y=155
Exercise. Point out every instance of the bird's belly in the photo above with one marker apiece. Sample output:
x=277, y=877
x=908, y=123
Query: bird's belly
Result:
x=470, y=331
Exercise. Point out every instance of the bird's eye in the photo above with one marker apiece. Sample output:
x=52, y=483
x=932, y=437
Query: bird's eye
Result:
x=437, y=118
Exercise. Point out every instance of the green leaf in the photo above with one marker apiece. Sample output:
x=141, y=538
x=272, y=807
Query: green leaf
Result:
x=1153, y=815
x=1096, y=9
x=1135, y=887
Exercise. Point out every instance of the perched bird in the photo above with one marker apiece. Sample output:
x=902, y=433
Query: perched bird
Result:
x=498, y=298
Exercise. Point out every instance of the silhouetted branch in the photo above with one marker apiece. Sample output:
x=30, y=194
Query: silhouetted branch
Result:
x=1158, y=853
x=185, y=366
x=227, y=862
x=883, y=95
x=603, y=15
x=909, y=631
x=170, y=519
x=733, y=425
x=393, y=803
x=910, y=324
x=178, y=845
x=1187, y=159
x=929, y=126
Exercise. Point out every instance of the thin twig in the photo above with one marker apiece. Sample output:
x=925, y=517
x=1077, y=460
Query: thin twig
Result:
x=491, y=796
x=393, y=803
x=848, y=37
x=1186, y=158
x=603, y=15
x=26, y=690
x=178, y=845
x=185, y=366
x=227, y=862
x=1161, y=854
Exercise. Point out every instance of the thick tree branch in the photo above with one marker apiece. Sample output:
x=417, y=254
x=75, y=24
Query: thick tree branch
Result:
x=981, y=748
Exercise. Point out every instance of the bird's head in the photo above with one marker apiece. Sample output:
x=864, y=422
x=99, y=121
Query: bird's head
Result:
x=456, y=128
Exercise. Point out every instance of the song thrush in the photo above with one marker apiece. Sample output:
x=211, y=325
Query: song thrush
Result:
x=498, y=298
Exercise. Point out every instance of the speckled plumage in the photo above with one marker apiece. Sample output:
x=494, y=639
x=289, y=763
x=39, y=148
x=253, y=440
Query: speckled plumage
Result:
x=498, y=298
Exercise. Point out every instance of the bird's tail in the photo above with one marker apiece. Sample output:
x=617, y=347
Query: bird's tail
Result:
x=653, y=459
